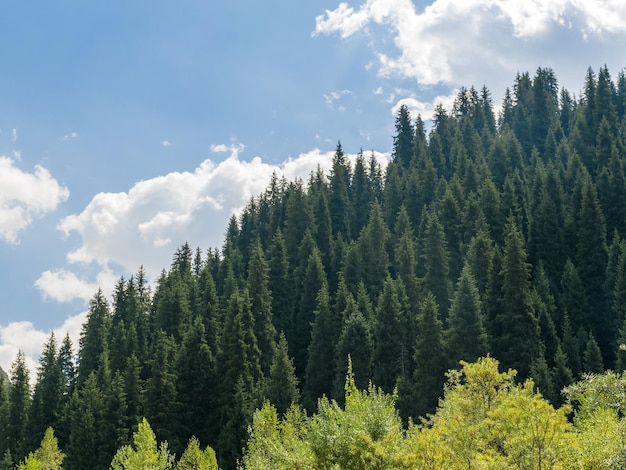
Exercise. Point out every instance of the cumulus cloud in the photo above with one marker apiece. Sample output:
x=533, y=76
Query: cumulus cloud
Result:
x=62, y=285
x=424, y=109
x=476, y=42
x=23, y=336
x=71, y=135
x=120, y=232
x=166, y=143
x=25, y=196
x=14, y=135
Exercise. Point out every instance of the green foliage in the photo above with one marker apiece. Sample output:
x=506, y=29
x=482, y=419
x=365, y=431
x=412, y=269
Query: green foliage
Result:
x=143, y=454
x=194, y=458
x=486, y=420
x=476, y=239
x=47, y=457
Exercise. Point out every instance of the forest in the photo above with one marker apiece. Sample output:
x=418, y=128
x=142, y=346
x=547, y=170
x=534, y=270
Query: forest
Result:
x=414, y=316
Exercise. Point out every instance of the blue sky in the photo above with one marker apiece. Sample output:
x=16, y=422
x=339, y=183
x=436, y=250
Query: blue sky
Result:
x=128, y=128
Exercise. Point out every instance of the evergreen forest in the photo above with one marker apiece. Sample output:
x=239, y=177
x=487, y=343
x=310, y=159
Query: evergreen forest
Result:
x=413, y=316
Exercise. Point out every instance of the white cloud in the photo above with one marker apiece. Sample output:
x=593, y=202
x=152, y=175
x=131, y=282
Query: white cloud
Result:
x=23, y=336
x=120, y=232
x=71, y=135
x=465, y=42
x=14, y=135
x=25, y=196
x=166, y=143
x=424, y=109
x=331, y=98
x=62, y=285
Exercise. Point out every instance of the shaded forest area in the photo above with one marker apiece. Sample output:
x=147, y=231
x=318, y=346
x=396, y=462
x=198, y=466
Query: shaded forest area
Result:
x=503, y=236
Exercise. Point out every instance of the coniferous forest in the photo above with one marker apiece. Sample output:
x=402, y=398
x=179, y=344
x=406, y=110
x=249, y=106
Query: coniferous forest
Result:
x=490, y=236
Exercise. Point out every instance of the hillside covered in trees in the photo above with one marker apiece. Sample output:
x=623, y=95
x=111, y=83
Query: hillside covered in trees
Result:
x=487, y=235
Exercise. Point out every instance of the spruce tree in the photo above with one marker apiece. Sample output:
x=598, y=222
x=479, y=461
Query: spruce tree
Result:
x=430, y=358
x=592, y=357
x=261, y=305
x=160, y=392
x=282, y=384
x=466, y=339
x=19, y=406
x=403, y=140
x=592, y=256
x=85, y=414
x=341, y=210
x=388, y=338
x=280, y=284
x=320, y=369
x=435, y=257
x=93, y=337
x=195, y=387
x=518, y=344
x=355, y=341
x=360, y=194
x=372, y=245
x=561, y=376
x=48, y=393
x=313, y=279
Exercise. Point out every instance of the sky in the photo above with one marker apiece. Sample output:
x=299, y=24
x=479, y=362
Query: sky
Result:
x=130, y=128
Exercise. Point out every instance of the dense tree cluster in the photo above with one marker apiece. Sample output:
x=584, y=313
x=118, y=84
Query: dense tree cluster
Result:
x=487, y=235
